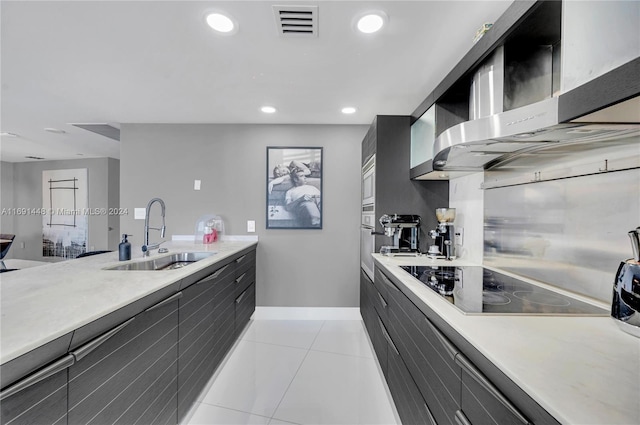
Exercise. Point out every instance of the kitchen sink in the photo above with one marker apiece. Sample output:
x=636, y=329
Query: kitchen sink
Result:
x=167, y=262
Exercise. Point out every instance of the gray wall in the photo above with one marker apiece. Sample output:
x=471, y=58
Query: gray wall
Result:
x=22, y=188
x=301, y=268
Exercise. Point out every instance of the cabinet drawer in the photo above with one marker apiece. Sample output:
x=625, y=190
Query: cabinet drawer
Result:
x=406, y=395
x=245, y=306
x=130, y=376
x=245, y=262
x=43, y=403
x=428, y=355
x=372, y=321
x=482, y=402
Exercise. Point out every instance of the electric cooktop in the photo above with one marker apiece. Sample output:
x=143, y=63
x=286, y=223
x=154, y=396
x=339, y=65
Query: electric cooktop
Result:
x=475, y=289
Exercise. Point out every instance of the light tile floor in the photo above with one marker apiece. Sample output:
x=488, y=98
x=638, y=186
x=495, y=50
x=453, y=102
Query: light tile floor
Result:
x=284, y=372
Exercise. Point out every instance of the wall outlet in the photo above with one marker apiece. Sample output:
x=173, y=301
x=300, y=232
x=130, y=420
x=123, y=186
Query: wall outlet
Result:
x=22, y=245
x=139, y=213
x=196, y=184
x=251, y=226
x=457, y=236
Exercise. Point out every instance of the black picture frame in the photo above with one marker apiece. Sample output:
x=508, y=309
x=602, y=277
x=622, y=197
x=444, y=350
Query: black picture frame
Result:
x=294, y=187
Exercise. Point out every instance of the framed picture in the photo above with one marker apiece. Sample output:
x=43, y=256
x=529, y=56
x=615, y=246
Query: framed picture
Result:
x=294, y=187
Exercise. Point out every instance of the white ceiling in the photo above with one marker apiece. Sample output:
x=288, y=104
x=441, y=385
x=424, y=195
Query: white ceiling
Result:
x=157, y=62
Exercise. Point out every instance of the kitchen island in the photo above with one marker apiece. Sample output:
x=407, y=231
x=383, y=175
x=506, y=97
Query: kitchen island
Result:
x=581, y=370
x=113, y=341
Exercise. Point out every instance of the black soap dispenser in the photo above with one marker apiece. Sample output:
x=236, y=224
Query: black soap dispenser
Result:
x=124, y=248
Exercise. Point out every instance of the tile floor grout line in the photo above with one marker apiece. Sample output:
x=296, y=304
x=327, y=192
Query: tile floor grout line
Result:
x=277, y=345
x=235, y=410
x=296, y=374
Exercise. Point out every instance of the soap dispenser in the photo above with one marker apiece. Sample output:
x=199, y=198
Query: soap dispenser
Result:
x=124, y=248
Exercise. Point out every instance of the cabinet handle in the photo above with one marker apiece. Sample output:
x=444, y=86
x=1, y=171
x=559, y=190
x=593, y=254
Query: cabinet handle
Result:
x=448, y=346
x=388, y=337
x=34, y=378
x=213, y=276
x=432, y=420
x=388, y=282
x=241, y=277
x=239, y=260
x=384, y=303
x=87, y=348
x=461, y=418
x=169, y=300
x=468, y=367
x=239, y=299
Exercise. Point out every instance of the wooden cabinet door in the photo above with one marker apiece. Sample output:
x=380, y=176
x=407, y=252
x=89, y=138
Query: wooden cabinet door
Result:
x=42, y=403
x=198, y=342
x=129, y=375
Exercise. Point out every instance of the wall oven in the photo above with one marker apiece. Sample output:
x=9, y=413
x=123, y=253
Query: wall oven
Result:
x=368, y=222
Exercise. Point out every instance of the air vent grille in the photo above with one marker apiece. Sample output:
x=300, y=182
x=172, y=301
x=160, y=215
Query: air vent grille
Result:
x=297, y=21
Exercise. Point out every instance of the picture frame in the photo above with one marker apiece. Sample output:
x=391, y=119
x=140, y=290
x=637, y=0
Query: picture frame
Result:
x=294, y=187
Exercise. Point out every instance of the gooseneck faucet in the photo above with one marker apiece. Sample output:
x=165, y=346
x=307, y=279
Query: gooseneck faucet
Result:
x=147, y=246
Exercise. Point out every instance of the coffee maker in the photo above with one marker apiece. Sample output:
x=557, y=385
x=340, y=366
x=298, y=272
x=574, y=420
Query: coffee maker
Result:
x=443, y=235
x=403, y=228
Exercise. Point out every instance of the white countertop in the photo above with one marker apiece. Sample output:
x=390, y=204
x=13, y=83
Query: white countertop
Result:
x=582, y=370
x=40, y=304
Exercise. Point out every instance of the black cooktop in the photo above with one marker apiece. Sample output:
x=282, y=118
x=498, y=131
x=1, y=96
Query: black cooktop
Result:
x=475, y=289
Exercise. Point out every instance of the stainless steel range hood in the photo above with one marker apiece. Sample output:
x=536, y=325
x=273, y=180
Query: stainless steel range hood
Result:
x=489, y=141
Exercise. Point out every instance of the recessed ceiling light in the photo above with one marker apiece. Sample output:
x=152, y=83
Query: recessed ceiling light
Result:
x=268, y=109
x=371, y=22
x=221, y=23
x=349, y=110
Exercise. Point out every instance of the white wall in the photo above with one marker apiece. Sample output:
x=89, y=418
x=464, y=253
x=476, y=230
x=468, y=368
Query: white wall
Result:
x=300, y=268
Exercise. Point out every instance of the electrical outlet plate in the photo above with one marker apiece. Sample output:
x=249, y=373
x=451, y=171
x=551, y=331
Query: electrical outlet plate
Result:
x=251, y=226
x=196, y=184
x=139, y=213
x=457, y=236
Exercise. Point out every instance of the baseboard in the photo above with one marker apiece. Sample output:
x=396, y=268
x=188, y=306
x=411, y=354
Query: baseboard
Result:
x=307, y=313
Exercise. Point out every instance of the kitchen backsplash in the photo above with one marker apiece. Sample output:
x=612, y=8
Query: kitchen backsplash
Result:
x=570, y=233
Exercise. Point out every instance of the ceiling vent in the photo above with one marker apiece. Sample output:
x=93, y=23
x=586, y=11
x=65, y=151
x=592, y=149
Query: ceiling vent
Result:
x=297, y=21
x=106, y=130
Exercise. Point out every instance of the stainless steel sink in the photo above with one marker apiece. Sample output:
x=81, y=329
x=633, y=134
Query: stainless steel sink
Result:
x=167, y=262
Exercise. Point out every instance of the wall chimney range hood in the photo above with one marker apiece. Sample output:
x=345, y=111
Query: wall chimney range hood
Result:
x=535, y=86
x=489, y=141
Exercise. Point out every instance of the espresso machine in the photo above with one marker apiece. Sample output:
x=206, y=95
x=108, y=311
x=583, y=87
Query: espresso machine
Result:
x=403, y=228
x=443, y=235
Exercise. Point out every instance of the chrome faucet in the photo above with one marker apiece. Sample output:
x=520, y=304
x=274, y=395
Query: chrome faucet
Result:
x=147, y=246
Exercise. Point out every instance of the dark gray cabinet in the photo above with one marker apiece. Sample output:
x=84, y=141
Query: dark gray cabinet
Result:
x=245, y=289
x=200, y=332
x=371, y=319
x=41, y=402
x=431, y=379
x=389, y=137
x=146, y=365
x=129, y=374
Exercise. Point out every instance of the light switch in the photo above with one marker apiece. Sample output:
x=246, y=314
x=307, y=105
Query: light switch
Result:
x=139, y=213
x=196, y=185
x=251, y=226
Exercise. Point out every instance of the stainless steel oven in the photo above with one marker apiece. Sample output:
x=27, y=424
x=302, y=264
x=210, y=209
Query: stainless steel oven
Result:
x=369, y=181
x=368, y=223
x=367, y=243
